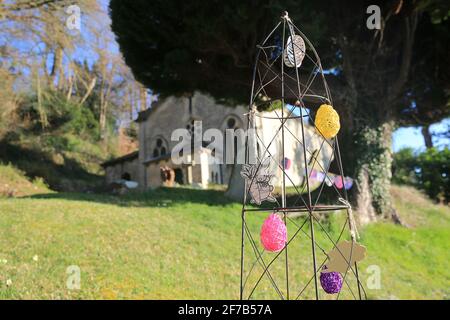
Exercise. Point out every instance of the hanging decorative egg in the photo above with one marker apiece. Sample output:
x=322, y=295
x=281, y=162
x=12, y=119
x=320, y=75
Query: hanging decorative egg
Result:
x=320, y=176
x=328, y=181
x=348, y=183
x=327, y=121
x=331, y=282
x=287, y=163
x=294, y=52
x=273, y=233
x=338, y=182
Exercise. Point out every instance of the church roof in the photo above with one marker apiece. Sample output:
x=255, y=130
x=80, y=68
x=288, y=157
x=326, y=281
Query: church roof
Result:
x=143, y=115
x=156, y=159
x=128, y=157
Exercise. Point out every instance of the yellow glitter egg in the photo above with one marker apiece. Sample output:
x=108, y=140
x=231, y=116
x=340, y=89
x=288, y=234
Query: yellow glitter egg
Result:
x=327, y=121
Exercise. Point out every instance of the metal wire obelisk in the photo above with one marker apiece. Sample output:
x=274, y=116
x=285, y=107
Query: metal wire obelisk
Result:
x=288, y=79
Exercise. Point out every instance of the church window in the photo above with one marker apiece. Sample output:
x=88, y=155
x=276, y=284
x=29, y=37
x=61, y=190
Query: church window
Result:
x=159, y=147
x=231, y=123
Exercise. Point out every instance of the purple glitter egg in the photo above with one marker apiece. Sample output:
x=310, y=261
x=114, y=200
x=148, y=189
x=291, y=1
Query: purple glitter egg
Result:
x=331, y=282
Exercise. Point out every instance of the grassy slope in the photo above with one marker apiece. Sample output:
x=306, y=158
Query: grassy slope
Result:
x=13, y=183
x=185, y=244
x=70, y=164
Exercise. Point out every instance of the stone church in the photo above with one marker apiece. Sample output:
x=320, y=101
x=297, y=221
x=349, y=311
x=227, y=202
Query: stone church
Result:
x=157, y=123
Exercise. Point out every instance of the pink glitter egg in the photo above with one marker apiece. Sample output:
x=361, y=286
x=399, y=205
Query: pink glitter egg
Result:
x=273, y=233
x=338, y=182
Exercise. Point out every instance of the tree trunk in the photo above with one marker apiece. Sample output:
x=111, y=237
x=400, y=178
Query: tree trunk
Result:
x=373, y=173
x=365, y=209
x=236, y=185
x=143, y=97
x=102, y=120
x=130, y=102
x=42, y=113
x=57, y=68
x=427, y=136
x=89, y=90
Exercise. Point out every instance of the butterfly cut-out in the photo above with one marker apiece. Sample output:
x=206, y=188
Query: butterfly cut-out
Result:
x=258, y=184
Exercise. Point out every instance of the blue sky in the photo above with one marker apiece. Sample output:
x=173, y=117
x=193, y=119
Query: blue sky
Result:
x=412, y=137
x=403, y=137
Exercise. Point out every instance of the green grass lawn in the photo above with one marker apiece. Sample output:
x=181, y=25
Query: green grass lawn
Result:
x=183, y=244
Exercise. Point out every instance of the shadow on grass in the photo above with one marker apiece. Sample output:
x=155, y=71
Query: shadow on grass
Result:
x=34, y=163
x=161, y=197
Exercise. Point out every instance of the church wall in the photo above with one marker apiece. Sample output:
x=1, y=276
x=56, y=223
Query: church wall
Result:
x=214, y=115
x=174, y=113
x=154, y=174
x=112, y=173
x=266, y=129
x=170, y=115
x=142, y=171
x=115, y=172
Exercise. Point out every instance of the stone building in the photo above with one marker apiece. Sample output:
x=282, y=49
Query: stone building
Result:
x=122, y=168
x=157, y=124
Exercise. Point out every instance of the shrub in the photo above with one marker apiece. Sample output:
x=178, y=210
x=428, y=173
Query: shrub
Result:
x=62, y=115
x=429, y=171
x=404, y=166
x=433, y=176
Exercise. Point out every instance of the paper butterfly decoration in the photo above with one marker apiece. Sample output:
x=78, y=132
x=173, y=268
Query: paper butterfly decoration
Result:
x=294, y=52
x=345, y=254
x=259, y=185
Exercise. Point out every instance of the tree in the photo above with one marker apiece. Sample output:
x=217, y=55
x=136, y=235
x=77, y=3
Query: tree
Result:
x=41, y=54
x=428, y=89
x=177, y=47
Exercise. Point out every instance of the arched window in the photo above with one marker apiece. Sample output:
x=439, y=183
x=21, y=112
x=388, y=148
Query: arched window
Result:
x=190, y=127
x=231, y=123
x=159, y=147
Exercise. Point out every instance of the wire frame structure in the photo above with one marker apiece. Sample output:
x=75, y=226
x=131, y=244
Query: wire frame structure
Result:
x=294, y=272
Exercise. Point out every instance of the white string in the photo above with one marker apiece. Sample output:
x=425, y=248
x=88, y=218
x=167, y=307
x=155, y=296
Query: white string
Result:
x=251, y=112
x=353, y=230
